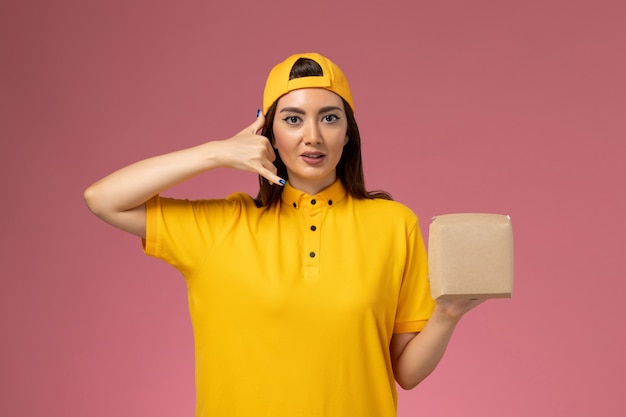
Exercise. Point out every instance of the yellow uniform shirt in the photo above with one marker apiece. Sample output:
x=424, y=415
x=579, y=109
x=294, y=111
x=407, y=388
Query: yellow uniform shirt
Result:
x=293, y=306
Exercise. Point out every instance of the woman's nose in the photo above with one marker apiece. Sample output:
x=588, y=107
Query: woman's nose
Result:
x=312, y=134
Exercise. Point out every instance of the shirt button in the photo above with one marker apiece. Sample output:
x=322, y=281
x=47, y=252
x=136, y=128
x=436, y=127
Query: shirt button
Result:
x=313, y=228
x=330, y=202
x=312, y=254
x=313, y=201
x=294, y=205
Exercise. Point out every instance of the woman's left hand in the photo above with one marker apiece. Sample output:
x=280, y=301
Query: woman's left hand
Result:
x=455, y=309
x=415, y=355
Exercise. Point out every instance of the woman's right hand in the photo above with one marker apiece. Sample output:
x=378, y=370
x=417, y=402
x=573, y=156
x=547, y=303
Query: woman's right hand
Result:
x=249, y=151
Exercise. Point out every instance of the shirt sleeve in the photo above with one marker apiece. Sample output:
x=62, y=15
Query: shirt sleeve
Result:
x=183, y=232
x=415, y=303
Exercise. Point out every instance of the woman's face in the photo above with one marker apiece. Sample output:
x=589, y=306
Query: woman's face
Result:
x=310, y=131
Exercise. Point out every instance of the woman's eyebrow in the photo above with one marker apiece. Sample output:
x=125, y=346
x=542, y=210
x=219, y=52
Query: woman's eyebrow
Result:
x=330, y=108
x=292, y=110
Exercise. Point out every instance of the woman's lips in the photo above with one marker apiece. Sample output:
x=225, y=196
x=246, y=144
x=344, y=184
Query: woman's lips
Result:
x=313, y=158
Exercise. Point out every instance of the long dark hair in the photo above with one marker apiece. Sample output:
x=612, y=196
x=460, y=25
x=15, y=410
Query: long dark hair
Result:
x=350, y=166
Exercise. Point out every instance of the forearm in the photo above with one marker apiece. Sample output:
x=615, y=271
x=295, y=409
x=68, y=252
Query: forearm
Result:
x=119, y=198
x=134, y=184
x=423, y=353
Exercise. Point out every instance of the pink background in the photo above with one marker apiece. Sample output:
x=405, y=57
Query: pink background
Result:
x=464, y=106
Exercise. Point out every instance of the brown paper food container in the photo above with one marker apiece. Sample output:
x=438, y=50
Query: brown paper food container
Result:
x=470, y=256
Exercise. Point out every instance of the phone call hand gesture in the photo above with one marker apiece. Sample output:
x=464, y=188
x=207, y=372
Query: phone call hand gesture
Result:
x=249, y=151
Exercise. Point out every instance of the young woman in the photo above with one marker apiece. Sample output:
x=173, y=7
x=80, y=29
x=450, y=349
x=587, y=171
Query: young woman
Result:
x=313, y=297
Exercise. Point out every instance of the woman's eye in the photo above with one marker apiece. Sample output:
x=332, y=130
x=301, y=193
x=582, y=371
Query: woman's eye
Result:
x=292, y=120
x=329, y=118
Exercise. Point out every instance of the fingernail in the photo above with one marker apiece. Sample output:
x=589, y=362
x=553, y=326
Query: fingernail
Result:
x=281, y=181
x=258, y=112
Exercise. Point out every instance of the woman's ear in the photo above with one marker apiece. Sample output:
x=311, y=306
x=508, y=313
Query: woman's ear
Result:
x=345, y=142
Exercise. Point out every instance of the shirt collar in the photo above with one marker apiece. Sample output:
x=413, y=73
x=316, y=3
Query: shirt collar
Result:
x=328, y=197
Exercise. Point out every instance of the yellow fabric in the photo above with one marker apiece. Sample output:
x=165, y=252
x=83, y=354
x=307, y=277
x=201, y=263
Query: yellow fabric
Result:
x=279, y=84
x=278, y=331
